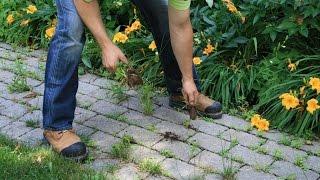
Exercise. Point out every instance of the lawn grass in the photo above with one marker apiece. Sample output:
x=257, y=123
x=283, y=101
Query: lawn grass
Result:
x=21, y=162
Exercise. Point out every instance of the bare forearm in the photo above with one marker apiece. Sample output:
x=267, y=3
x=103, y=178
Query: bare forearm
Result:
x=91, y=16
x=181, y=39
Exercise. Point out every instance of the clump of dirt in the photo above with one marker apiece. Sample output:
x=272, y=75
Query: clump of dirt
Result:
x=133, y=78
x=192, y=112
x=171, y=135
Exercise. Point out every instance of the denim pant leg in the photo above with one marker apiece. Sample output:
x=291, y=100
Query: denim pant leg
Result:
x=155, y=13
x=61, y=76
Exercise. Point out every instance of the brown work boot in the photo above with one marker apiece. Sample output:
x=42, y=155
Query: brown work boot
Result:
x=204, y=105
x=67, y=143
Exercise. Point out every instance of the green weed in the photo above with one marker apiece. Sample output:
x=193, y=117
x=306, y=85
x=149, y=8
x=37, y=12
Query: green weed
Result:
x=167, y=153
x=32, y=123
x=277, y=154
x=146, y=95
x=152, y=167
x=122, y=149
x=19, y=85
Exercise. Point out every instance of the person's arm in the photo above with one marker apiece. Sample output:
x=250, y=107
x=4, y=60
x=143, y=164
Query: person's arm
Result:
x=181, y=35
x=91, y=16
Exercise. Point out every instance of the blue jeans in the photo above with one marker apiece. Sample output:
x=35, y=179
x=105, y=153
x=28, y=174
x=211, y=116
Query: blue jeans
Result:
x=61, y=76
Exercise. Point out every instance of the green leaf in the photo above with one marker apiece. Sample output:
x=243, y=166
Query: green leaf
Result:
x=273, y=35
x=287, y=25
x=255, y=42
x=256, y=19
x=304, y=31
x=210, y=3
x=87, y=62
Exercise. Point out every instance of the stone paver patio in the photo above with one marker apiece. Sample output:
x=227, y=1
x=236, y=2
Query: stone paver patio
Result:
x=202, y=150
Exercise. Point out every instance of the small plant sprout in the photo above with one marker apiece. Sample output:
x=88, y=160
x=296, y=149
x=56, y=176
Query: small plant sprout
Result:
x=151, y=127
x=300, y=162
x=118, y=92
x=32, y=123
x=285, y=141
x=187, y=123
x=151, y=166
x=19, y=85
x=146, y=95
x=167, y=153
x=118, y=117
x=277, y=154
x=122, y=149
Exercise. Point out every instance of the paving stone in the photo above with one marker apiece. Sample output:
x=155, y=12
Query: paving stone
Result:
x=14, y=111
x=181, y=150
x=288, y=153
x=4, y=121
x=102, y=164
x=104, y=141
x=86, y=88
x=248, y=172
x=133, y=103
x=102, y=94
x=88, y=78
x=6, y=76
x=31, y=61
x=170, y=115
x=15, y=129
x=39, y=89
x=139, y=153
x=34, y=116
x=313, y=162
x=314, y=148
x=157, y=178
x=250, y=157
x=233, y=122
x=285, y=169
x=213, y=162
x=105, y=124
x=181, y=170
x=33, y=82
x=141, y=136
x=105, y=108
x=208, y=127
x=210, y=143
x=83, y=130
x=130, y=172
x=213, y=177
x=85, y=101
x=167, y=127
x=272, y=134
x=132, y=92
x=104, y=83
x=243, y=138
x=162, y=101
x=141, y=120
x=32, y=138
x=37, y=102
x=82, y=115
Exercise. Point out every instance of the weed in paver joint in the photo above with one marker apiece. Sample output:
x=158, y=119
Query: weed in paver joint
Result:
x=151, y=127
x=167, y=153
x=277, y=154
x=111, y=168
x=260, y=134
x=263, y=168
x=300, y=162
x=122, y=149
x=262, y=150
x=187, y=123
x=32, y=123
x=291, y=177
x=118, y=117
x=296, y=143
x=207, y=119
x=238, y=159
x=248, y=128
x=318, y=153
x=285, y=141
x=19, y=85
x=118, y=92
x=88, y=141
x=152, y=167
x=234, y=142
x=146, y=94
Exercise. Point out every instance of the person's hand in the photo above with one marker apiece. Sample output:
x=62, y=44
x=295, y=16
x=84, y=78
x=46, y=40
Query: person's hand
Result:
x=190, y=91
x=111, y=54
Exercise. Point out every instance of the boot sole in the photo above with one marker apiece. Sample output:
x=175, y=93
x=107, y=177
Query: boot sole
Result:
x=78, y=159
x=179, y=105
